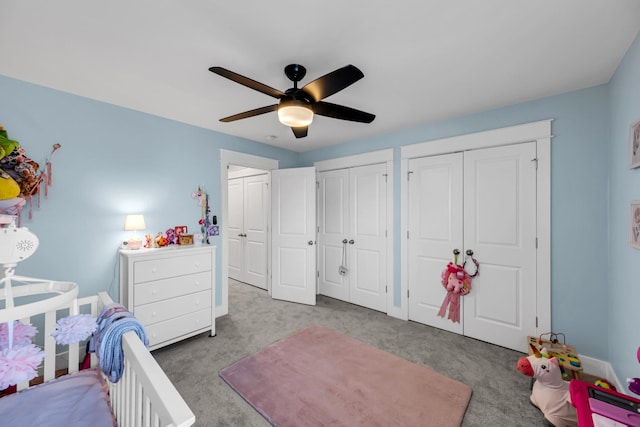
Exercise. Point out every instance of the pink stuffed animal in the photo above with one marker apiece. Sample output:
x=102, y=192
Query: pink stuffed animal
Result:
x=549, y=393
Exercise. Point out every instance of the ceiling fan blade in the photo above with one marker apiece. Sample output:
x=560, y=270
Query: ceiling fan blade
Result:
x=250, y=113
x=300, y=132
x=341, y=112
x=245, y=81
x=333, y=82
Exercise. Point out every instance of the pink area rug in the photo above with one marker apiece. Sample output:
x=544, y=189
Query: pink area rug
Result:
x=319, y=377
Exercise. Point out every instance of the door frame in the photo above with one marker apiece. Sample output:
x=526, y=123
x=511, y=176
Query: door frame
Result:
x=251, y=161
x=370, y=158
x=539, y=132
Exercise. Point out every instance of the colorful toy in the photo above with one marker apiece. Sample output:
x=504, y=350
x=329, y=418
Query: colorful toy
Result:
x=172, y=239
x=601, y=382
x=20, y=177
x=457, y=283
x=549, y=392
x=147, y=241
x=160, y=241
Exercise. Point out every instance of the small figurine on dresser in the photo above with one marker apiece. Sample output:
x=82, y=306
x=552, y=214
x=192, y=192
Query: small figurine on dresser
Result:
x=160, y=241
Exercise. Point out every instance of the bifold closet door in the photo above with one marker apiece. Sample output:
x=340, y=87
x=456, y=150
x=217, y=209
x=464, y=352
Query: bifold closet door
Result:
x=484, y=201
x=500, y=227
x=435, y=229
x=247, y=225
x=352, y=234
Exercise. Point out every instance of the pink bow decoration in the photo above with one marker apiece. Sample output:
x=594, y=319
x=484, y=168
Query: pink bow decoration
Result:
x=457, y=282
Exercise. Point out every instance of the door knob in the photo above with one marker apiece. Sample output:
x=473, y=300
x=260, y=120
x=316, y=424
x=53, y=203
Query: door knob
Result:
x=344, y=241
x=240, y=235
x=310, y=242
x=469, y=252
x=351, y=242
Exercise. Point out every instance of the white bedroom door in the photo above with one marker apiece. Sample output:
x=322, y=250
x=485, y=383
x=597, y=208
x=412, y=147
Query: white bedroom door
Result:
x=435, y=224
x=293, y=219
x=235, y=226
x=256, y=205
x=247, y=225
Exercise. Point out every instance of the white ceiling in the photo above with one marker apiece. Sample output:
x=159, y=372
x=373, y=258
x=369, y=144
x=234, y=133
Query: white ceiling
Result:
x=423, y=60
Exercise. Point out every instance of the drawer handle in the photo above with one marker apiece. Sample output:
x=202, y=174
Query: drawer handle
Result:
x=154, y=270
x=153, y=314
x=197, y=283
x=154, y=292
x=197, y=265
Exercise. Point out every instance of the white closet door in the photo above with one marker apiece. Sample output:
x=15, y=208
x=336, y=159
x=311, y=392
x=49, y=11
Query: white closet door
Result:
x=367, y=236
x=333, y=228
x=293, y=219
x=500, y=227
x=435, y=230
x=235, y=227
x=255, y=230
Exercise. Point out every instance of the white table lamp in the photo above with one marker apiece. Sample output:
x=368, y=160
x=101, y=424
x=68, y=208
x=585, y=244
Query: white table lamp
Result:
x=134, y=223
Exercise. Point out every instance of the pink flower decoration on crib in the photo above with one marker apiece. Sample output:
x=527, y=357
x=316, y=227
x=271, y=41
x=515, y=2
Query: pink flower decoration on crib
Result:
x=19, y=364
x=73, y=329
x=22, y=334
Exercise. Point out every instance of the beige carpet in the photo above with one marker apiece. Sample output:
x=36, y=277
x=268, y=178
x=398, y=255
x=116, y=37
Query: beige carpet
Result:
x=319, y=377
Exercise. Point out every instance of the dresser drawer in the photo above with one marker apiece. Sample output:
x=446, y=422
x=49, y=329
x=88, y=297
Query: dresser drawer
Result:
x=163, y=268
x=172, y=328
x=174, y=307
x=148, y=292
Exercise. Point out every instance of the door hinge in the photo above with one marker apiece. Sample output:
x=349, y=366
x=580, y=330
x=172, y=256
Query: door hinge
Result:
x=385, y=177
x=318, y=228
x=407, y=234
x=385, y=233
x=318, y=274
x=536, y=162
x=409, y=175
x=536, y=321
x=536, y=243
x=317, y=184
x=385, y=289
x=407, y=293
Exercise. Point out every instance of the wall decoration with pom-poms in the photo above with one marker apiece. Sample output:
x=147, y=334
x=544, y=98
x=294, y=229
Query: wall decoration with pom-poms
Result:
x=21, y=178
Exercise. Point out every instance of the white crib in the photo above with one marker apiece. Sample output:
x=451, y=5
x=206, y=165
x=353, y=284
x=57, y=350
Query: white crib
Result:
x=144, y=395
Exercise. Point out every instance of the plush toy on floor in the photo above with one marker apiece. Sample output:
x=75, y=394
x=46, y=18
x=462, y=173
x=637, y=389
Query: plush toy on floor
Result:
x=549, y=392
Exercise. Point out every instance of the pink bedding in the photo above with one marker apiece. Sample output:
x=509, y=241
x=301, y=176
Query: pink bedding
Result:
x=77, y=400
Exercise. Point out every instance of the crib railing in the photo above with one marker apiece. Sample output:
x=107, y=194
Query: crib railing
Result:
x=144, y=396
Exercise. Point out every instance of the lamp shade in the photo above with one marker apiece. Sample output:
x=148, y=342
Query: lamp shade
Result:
x=134, y=222
x=295, y=113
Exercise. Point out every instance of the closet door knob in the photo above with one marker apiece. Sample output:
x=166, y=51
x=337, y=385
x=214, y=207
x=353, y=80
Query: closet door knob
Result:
x=310, y=242
x=351, y=242
x=469, y=252
x=344, y=241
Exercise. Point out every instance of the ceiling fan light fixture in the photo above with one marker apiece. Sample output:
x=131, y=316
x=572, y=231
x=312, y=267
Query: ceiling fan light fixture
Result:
x=295, y=113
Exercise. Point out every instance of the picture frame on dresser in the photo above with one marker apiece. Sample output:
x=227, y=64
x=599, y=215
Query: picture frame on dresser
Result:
x=170, y=290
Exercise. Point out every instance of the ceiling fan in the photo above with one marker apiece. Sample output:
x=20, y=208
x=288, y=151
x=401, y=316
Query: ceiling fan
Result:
x=297, y=106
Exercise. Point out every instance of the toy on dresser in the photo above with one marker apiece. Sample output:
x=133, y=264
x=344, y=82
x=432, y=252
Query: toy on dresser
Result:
x=550, y=393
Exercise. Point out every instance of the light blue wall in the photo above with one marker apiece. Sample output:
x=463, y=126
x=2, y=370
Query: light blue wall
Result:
x=624, y=261
x=113, y=161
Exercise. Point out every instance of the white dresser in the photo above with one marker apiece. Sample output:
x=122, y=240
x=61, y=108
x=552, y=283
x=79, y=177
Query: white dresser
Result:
x=170, y=290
